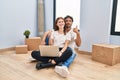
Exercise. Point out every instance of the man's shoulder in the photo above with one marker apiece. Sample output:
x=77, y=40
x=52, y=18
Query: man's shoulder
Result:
x=72, y=34
x=71, y=31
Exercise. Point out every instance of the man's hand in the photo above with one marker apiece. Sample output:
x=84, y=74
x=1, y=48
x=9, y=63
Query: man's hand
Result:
x=76, y=30
x=43, y=43
x=49, y=33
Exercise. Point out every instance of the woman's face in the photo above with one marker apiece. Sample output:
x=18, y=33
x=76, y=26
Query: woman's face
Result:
x=60, y=23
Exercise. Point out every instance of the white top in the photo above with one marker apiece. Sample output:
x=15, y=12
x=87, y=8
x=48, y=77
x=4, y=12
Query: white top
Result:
x=73, y=37
x=59, y=39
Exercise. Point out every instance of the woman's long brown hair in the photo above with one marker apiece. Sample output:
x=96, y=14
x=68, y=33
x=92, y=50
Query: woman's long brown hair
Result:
x=56, y=28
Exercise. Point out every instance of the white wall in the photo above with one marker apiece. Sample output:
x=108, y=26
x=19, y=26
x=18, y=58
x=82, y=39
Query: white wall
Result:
x=63, y=10
x=115, y=40
x=95, y=22
x=21, y=15
x=15, y=17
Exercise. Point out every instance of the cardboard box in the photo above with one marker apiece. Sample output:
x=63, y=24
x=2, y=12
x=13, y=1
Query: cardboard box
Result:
x=33, y=43
x=106, y=53
x=21, y=49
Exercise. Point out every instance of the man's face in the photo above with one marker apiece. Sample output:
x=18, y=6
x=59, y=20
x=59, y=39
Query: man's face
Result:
x=68, y=22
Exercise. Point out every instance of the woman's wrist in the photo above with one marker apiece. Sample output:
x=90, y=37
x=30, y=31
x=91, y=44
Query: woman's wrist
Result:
x=61, y=51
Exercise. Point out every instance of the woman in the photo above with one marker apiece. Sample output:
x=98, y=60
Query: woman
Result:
x=57, y=38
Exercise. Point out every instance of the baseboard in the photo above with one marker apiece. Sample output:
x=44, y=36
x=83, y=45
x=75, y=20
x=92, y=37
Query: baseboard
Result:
x=76, y=49
x=7, y=49
x=82, y=52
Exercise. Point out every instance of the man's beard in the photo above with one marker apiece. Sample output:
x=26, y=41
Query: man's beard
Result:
x=68, y=26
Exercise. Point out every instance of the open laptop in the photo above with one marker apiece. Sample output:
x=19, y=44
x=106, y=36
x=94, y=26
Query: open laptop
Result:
x=49, y=51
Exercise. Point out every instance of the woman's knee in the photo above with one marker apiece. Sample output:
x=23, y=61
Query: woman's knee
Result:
x=35, y=53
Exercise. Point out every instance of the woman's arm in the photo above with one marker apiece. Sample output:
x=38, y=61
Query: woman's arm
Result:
x=64, y=48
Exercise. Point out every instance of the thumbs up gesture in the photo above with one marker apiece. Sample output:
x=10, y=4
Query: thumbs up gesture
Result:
x=76, y=30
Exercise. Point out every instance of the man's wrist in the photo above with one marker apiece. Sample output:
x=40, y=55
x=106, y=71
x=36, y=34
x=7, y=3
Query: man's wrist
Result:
x=78, y=33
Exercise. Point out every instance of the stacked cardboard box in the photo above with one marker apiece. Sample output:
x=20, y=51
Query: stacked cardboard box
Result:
x=33, y=43
x=106, y=53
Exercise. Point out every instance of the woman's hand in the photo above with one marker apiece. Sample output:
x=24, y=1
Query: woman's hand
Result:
x=60, y=53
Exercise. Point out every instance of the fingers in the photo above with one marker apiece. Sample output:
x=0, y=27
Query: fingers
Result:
x=76, y=26
x=76, y=30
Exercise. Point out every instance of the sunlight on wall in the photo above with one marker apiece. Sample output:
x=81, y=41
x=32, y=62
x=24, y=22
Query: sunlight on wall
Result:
x=69, y=7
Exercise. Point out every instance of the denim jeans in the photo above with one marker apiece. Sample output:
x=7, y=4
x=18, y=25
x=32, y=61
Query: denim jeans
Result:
x=47, y=40
x=69, y=60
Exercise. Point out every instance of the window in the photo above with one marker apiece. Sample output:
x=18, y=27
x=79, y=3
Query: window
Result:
x=68, y=7
x=115, y=24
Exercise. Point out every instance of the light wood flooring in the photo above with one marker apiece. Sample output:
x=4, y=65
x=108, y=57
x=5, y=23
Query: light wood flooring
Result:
x=18, y=67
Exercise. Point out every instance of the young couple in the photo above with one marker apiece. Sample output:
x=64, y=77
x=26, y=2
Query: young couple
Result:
x=65, y=37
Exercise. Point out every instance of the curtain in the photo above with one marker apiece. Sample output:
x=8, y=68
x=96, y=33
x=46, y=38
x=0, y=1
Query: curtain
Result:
x=40, y=17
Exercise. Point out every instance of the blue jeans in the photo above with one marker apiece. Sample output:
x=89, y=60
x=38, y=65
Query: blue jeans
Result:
x=47, y=40
x=69, y=60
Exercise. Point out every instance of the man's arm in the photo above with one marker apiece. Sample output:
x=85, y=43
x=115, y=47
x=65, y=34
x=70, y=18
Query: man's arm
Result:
x=51, y=40
x=78, y=38
x=46, y=34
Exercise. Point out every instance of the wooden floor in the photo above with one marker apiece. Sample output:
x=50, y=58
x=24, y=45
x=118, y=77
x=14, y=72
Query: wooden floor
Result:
x=18, y=67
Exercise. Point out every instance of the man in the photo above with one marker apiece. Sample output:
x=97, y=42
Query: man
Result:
x=75, y=35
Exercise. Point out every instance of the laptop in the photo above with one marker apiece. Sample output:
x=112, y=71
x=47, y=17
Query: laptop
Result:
x=49, y=51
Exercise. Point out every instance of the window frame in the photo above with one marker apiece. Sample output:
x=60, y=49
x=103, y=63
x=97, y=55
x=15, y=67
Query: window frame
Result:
x=113, y=21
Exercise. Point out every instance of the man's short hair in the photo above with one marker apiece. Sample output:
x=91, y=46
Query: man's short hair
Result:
x=68, y=17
